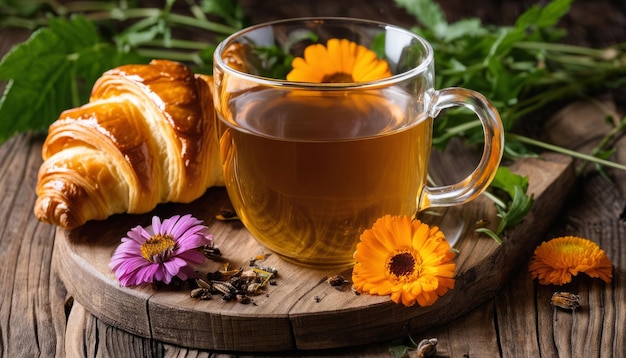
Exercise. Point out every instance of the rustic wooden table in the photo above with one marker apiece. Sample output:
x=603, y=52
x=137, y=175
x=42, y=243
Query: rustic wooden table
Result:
x=39, y=318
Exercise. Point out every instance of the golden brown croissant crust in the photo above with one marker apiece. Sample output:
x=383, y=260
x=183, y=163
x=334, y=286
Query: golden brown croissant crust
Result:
x=147, y=136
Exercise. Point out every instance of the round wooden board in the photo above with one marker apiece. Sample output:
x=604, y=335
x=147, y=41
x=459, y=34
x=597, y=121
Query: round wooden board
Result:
x=302, y=311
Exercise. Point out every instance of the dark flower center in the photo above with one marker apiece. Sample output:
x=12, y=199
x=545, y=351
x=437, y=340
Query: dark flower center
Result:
x=158, y=248
x=338, y=77
x=402, y=264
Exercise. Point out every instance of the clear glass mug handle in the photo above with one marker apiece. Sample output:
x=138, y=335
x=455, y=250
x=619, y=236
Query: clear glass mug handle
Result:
x=476, y=182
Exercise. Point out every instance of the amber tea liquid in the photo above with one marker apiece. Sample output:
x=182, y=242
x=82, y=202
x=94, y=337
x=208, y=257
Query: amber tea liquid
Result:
x=308, y=174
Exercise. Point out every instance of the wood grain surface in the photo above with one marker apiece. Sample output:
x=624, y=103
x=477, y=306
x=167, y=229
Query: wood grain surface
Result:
x=303, y=311
x=39, y=319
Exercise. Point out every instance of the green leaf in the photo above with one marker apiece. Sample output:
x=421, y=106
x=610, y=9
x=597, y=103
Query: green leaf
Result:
x=508, y=181
x=53, y=70
x=517, y=210
x=229, y=10
x=378, y=45
x=19, y=8
x=490, y=60
x=428, y=13
x=543, y=17
x=273, y=61
x=400, y=351
x=518, y=203
x=462, y=28
x=491, y=234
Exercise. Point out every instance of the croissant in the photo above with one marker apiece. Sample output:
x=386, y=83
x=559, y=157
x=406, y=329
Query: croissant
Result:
x=146, y=136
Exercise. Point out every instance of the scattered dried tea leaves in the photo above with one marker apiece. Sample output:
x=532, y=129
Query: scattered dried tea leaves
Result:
x=236, y=284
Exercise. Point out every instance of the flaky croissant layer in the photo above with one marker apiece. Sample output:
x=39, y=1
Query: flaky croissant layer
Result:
x=147, y=136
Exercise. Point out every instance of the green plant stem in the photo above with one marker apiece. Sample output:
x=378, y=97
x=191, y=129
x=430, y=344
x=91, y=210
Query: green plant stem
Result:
x=105, y=13
x=497, y=201
x=604, y=54
x=170, y=55
x=571, y=153
x=118, y=14
x=534, y=103
x=618, y=129
x=177, y=43
x=609, y=136
x=82, y=6
x=19, y=22
x=458, y=130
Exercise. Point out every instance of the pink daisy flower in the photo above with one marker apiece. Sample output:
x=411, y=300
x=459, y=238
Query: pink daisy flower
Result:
x=160, y=252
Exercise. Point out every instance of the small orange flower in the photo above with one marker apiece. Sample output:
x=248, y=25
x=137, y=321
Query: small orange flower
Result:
x=404, y=258
x=555, y=261
x=340, y=61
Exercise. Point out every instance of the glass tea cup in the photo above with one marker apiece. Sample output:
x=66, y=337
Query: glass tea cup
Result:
x=309, y=166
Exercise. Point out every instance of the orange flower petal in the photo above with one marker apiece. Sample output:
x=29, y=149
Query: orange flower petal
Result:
x=340, y=58
x=386, y=252
x=556, y=261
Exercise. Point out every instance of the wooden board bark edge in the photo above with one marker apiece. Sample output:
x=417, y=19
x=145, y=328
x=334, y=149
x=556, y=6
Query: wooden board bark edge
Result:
x=302, y=312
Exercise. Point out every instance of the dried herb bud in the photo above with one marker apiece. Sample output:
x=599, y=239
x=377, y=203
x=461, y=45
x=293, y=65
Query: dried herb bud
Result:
x=203, y=284
x=210, y=251
x=197, y=292
x=201, y=293
x=223, y=287
x=215, y=276
x=227, y=214
x=243, y=299
x=249, y=275
x=336, y=280
x=565, y=300
x=265, y=270
x=427, y=348
x=254, y=288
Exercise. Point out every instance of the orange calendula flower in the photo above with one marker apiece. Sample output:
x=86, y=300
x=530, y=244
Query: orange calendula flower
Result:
x=340, y=61
x=404, y=258
x=556, y=261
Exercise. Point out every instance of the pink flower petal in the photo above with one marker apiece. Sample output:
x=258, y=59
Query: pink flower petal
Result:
x=131, y=268
x=168, y=224
x=193, y=257
x=156, y=225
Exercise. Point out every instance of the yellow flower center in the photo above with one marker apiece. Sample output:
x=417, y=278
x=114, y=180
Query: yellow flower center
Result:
x=338, y=77
x=571, y=248
x=158, y=248
x=403, y=264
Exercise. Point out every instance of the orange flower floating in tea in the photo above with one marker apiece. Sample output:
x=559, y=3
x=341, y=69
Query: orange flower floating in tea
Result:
x=556, y=261
x=340, y=61
x=404, y=258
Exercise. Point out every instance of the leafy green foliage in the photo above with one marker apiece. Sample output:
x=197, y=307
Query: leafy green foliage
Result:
x=399, y=349
x=18, y=8
x=520, y=68
x=230, y=11
x=513, y=203
x=57, y=66
x=275, y=63
x=53, y=70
